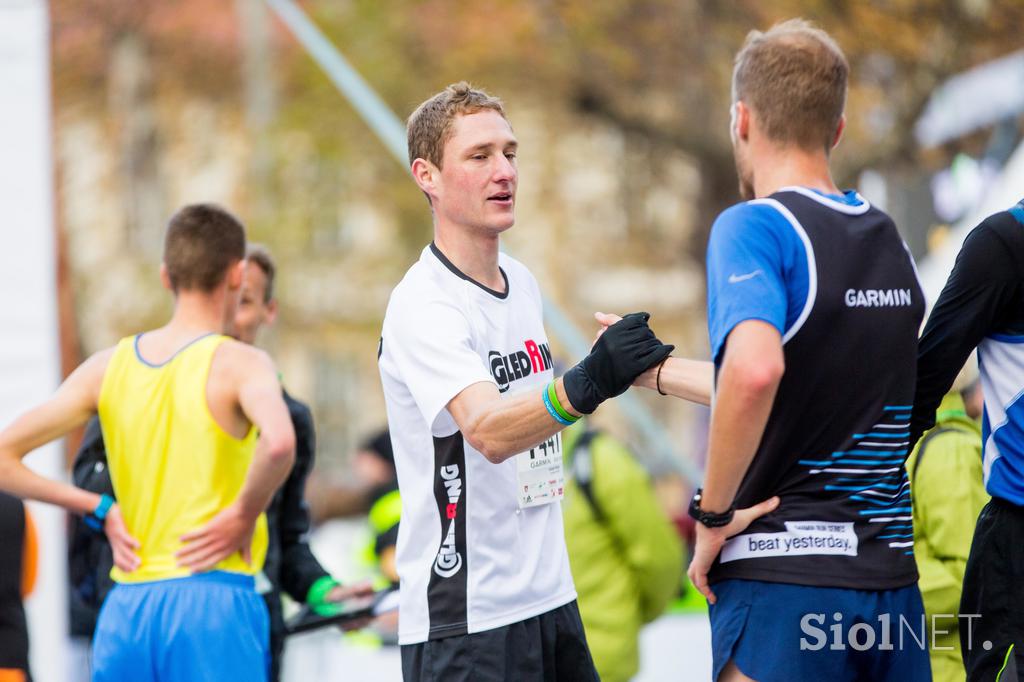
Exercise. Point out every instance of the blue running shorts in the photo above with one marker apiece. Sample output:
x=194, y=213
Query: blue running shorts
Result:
x=777, y=632
x=206, y=627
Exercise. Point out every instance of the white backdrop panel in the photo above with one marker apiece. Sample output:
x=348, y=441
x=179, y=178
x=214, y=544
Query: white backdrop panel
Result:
x=29, y=349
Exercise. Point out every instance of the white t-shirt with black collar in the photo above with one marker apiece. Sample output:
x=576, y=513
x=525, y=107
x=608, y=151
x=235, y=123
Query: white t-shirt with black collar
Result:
x=472, y=553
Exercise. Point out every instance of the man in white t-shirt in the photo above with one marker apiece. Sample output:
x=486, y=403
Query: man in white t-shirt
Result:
x=475, y=416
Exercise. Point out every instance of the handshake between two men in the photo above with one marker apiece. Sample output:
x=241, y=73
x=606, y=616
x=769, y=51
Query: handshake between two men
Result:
x=624, y=349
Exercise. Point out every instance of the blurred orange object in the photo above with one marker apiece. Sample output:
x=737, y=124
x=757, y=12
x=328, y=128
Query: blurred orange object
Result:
x=29, y=569
x=9, y=675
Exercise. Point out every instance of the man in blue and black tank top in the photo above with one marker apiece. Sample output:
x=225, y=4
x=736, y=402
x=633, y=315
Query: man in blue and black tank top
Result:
x=813, y=308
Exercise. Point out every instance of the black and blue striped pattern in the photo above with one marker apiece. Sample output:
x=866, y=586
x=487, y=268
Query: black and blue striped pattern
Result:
x=872, y=473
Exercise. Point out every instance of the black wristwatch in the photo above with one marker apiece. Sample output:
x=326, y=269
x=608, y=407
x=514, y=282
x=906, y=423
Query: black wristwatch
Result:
x=709, y=519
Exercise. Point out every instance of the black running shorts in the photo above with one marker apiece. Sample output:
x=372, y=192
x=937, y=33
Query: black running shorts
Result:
x=550, y=647
x=993, y=596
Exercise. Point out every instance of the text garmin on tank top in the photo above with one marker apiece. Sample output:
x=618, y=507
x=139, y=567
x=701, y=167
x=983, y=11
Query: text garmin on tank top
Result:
x=877, y=298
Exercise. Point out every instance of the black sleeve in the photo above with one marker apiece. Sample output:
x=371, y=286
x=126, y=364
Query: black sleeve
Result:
x=299, y=568
x=89, y=555
x=89, y=470
x=980, y=297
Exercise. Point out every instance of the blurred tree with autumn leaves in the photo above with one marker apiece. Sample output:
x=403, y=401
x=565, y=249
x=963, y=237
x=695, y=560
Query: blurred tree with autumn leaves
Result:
x=658, y=69
x=634, y=89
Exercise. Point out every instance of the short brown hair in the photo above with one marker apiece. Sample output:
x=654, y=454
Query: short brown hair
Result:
x=203, y=241
x=793, y=77
x=258, y=255
x=430, y=126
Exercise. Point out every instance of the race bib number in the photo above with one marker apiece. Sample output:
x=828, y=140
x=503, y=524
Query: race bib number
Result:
x=539, y=474
x=799, y=539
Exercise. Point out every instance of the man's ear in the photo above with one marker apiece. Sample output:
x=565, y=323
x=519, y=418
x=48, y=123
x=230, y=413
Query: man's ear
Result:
x=426, y=176
x=271, y=315
x=839, y=131
x=165, y=278
x=236, y=275
x=741, y=121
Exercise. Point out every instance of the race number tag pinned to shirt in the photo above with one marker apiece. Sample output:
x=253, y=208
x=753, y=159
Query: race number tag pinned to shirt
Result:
x=539, y=474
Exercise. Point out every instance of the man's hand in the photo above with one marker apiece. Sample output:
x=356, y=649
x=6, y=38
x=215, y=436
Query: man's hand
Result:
x=228, y=532
x=624, y=351
x=121, y=541
x=682, y=377
x=343, y=593
x=605, y=320
x=710, y=541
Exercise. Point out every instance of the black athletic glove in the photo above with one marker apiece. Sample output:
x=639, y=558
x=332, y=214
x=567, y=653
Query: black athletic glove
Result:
x=626, y=350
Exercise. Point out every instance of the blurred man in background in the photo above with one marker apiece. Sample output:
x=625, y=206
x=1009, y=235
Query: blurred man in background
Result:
x=626, y=557
x=947, y=493
x=290, y=566
x=373, y=491
x=982, y=306
x=18, y=562
x=374, y=464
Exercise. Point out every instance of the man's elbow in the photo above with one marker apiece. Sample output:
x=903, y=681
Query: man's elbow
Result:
x=485, y=446
x=280, y=448
x=760, y=376
x=6, y=466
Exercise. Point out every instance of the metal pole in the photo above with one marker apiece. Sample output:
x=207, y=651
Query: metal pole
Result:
x=370, y=106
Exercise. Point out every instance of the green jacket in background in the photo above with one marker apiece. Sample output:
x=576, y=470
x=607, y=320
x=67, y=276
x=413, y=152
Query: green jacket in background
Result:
x=948, y=493
x=626, y=557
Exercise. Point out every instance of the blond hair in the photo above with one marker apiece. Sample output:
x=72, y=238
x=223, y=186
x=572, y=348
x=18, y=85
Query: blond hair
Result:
x=430, y=127
x=793, y=77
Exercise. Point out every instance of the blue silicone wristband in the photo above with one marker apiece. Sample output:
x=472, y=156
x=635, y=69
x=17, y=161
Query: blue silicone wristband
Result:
x=106, y=502
x=551, y=409
x=94, y=519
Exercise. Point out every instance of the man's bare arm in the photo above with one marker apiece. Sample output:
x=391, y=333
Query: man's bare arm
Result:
x=262, y=402
x=70, y=407
x=500, y=429
x=751, y=370
x=683, y=378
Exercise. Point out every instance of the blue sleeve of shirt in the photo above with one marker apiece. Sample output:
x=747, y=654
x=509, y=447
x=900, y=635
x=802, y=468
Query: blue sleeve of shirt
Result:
x=757, y=270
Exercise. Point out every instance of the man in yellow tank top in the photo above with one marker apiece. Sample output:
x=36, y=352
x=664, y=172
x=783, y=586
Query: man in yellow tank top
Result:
x=180, y=408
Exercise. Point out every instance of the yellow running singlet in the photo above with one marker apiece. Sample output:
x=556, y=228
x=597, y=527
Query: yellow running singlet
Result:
x=172, y=466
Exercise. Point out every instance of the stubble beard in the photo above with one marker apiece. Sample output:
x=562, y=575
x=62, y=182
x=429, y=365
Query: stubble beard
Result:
x=746, y=179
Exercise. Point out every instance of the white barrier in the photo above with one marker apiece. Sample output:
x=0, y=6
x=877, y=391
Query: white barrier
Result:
x=29, y=350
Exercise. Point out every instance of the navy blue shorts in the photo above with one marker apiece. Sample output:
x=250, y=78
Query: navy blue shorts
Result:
x=775, y=632
x=204, y=628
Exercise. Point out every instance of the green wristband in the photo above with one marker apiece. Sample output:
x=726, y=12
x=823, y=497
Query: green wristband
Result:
x=316, y=598
x=562, y=412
